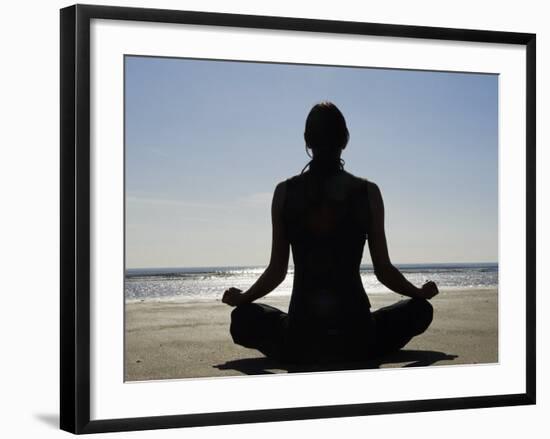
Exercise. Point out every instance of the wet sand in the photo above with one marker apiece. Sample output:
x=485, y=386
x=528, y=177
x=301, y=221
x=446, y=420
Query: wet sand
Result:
x=168, y=340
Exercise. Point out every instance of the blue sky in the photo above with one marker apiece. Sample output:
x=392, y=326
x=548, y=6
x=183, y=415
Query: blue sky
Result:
x=207, y=142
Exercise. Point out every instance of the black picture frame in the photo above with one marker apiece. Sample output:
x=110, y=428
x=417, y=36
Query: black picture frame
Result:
x=75, y=217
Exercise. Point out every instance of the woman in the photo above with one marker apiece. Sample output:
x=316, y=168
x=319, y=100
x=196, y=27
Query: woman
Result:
x=325, y=215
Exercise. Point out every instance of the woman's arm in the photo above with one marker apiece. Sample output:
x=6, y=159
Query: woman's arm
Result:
x=384, y=270
x=276, y=271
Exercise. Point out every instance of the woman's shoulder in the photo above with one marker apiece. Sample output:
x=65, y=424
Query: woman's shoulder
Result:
x=292, y=180
x=358, y=181
x=345, y=177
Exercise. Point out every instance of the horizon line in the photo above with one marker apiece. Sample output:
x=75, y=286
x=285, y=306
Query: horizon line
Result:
x=292, y=265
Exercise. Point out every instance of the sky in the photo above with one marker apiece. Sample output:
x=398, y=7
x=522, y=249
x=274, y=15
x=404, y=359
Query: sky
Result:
x=207, y=141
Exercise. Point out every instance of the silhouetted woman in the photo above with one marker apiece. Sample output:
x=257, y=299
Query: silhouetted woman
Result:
x=325, y=215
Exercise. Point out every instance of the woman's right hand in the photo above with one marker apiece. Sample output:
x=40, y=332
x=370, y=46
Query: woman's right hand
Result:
x=428, y=290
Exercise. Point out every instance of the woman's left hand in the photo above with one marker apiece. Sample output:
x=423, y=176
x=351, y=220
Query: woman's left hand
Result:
x=429, y=290
x=233, y=296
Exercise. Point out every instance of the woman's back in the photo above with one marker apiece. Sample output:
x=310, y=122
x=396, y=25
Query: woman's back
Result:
x=323, y=215
x=325, y=218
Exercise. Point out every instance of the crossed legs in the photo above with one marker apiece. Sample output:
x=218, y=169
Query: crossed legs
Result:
x=395, y=325
x=262, y=327
x=259, y=326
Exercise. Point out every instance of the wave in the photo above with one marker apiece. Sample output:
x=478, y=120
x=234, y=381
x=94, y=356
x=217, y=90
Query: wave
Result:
x=210, y=282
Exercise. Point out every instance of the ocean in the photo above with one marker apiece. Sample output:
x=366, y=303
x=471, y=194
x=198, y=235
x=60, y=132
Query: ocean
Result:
x=210, y=282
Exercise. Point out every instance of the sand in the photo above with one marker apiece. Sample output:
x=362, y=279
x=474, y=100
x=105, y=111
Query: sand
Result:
x=169, y=340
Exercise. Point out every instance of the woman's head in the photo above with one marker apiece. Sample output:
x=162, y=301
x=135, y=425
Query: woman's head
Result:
x=326, y=132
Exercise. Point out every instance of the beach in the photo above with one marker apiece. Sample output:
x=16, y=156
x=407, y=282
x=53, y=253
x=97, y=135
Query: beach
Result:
x=190, y=339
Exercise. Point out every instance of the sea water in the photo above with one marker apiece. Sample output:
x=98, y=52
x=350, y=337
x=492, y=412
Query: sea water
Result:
x=210, y=282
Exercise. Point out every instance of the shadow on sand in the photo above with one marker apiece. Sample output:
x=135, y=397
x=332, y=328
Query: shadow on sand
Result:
x=264, y=365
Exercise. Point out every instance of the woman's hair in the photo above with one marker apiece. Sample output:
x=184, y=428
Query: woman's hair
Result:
x=326, y=127
x=326, y=134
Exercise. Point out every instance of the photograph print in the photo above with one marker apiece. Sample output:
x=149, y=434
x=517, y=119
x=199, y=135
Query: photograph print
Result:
x=294, y=218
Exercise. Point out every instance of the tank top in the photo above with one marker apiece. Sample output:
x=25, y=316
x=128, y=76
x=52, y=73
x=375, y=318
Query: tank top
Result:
x=325, y=219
